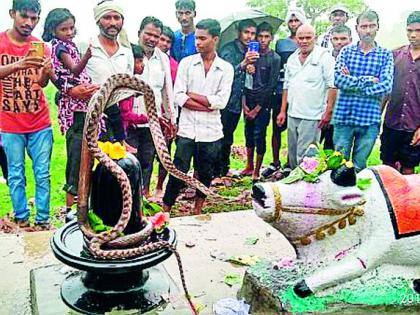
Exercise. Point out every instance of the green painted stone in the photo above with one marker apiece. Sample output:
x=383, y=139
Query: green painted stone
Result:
x=271, y=291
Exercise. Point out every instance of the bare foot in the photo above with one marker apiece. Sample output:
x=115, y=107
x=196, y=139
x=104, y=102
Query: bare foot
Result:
x=247, y=172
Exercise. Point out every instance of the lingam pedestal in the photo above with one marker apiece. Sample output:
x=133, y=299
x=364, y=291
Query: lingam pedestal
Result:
x=103, y=285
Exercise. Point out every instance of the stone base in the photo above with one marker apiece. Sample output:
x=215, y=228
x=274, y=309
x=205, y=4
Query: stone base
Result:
x=270, y=291
x=46, y=282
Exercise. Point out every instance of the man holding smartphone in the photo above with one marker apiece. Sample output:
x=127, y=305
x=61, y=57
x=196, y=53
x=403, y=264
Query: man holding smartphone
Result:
x=25, y=123
x=237, y=54
x=258, y=99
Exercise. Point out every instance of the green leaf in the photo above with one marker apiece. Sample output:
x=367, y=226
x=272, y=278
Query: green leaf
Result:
x=96, y=223
x=328, y=152
x=232, y=279
x=295, y=175
x=364, y=183
x=251, y=241
x=149, y=209
x=244, y=260
x=334, y=161
x=311, y=178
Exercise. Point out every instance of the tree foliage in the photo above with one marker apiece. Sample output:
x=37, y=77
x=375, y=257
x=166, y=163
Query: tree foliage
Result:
x=316, y=10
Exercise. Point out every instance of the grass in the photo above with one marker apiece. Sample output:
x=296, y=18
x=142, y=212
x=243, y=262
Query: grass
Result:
x=58, y=164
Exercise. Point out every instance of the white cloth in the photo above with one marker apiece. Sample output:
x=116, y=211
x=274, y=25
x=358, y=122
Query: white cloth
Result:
x=298, y=13
x=216, y=86
x=107, y=6
x=307, y=84
x=157, y=74
x=101, y=66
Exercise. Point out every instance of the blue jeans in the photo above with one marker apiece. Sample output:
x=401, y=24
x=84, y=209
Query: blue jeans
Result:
x=39, y=147
x=360, y=138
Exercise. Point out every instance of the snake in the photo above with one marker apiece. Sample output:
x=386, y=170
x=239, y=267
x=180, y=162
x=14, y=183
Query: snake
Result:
x=110, y=245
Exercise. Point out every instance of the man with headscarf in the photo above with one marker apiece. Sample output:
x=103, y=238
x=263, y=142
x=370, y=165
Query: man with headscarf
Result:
x=111, y=54
x=111, y=51
x=339, y=15
x=400, y=140
x=284, y=48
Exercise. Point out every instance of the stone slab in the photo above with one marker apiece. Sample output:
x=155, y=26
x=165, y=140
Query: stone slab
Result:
x=225, y=232
x=270, y=291
x=45, y=285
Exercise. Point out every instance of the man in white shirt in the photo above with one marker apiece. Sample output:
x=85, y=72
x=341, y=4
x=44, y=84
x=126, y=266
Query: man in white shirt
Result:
x=308, y=94
x=202, y=88
x=111, y=54
x=157, y=74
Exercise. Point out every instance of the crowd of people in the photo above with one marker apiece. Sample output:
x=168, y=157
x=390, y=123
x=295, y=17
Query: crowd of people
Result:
x=318, y=88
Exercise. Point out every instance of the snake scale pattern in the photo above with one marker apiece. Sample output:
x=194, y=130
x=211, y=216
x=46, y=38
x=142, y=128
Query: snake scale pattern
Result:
x=132, y=245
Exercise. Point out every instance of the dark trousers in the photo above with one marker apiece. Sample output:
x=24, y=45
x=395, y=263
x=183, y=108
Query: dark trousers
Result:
x=114, y=125
x=141, y=139
x=327, y=135
x=3, y=162
x=205, y=154
x=74, y=138
x=230, y=122
x=256, y=131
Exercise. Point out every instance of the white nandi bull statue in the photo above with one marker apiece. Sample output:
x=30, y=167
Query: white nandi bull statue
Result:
x=352, y=231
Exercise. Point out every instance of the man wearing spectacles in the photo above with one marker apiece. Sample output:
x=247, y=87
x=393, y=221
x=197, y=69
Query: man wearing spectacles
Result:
x=184, y=41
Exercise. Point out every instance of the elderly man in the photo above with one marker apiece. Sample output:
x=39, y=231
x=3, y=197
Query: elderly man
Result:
x=284, y=48
x=184, y=42
x=202, y=89
x=24, y=115
x=339, y=15
x=157, y=74
x=400, y=140
x=308, y=94
x=364, y=75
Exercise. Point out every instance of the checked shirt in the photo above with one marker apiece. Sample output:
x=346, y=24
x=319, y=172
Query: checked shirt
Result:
x=359, y=102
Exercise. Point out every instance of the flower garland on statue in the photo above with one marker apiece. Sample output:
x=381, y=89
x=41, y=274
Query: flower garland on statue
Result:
x=318, y=161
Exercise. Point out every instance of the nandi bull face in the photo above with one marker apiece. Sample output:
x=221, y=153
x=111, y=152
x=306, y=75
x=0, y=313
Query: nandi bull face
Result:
x=300, y=208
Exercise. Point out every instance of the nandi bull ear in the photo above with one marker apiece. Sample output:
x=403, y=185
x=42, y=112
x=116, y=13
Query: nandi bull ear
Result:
x=311, y=151
x=344, y=176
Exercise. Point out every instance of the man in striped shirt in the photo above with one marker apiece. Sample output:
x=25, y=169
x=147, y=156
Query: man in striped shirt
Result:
x=364, y=75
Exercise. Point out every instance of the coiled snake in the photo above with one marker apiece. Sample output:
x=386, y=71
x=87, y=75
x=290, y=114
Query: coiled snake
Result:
x=134, y=244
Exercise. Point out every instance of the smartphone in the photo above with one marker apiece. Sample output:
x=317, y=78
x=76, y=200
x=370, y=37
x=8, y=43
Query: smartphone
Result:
x=37, y=49
x=254, y=46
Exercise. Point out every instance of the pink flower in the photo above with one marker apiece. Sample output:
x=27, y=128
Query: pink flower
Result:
x=160, y=220
x=309, y=164
x=286, y=262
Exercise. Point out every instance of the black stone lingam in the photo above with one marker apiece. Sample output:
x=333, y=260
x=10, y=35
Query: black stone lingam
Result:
x=106, y=285
x=101, y=285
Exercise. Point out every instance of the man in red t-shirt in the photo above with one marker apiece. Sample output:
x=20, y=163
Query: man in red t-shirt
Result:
x=25, y=123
